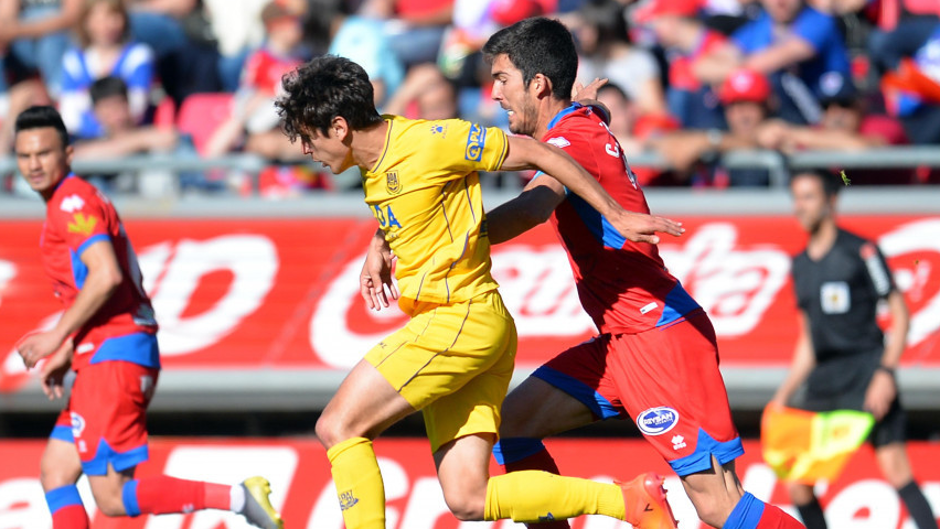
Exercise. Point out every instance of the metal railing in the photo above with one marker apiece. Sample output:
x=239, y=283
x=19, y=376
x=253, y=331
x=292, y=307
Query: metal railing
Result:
x=777, y=164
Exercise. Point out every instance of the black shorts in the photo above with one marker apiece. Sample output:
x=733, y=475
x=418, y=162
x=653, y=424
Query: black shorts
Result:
x=841, y=383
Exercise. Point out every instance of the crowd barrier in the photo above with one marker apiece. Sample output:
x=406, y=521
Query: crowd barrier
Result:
x=779, y=165
x=303, y=491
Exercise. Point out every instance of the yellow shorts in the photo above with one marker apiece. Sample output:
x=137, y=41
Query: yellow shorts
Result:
x=453, y=362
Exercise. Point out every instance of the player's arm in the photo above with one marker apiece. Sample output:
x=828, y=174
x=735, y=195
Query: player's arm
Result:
x=804, y=360
x=883, y=386
x=104, y=276
x=532, y=207
x=376, y=274
x=526, y=153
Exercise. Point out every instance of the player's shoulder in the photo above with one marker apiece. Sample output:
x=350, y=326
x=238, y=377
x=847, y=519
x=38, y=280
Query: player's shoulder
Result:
x=850, y=241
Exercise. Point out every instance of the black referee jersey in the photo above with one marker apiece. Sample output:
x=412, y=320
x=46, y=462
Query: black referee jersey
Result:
x=839, y=294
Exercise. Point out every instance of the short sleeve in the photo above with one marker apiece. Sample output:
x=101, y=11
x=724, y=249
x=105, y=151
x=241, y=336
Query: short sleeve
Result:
x=816, y=28
x=470, y=146
x=877, y=267
x=886, y=127
x=138, y=66
x=748, y=37
x=80, y=220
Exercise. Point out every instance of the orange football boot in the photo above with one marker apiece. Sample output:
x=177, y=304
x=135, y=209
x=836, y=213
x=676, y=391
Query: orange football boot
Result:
x=645, y=503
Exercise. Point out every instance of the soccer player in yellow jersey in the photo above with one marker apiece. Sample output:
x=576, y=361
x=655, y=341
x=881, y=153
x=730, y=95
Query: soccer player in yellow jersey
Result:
x=454, y=359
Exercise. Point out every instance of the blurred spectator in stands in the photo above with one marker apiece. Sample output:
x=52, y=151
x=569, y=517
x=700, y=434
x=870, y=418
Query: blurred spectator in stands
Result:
x=901, y=26
x=238, y=28
x=184, y=49
x=104, y=49
x=912, y=92
x=361, y=39
x=794, y=44
x=33, y=36
x=119, y=132
x=425, y=94
x=415, y=28
x=253, y=110
x=121, y=135
x=747, y=97
x=636, y=131
x=685, y=39
x=600, y=29
x=845, y=126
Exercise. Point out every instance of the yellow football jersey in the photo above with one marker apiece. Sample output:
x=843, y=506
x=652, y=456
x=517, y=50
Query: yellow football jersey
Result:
x=425, y=192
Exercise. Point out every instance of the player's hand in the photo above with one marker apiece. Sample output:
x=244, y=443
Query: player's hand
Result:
x=640, y=227
x=34, y=347
x=52, y=374
x=580, y=92
x=375, y=280
x=880, y=394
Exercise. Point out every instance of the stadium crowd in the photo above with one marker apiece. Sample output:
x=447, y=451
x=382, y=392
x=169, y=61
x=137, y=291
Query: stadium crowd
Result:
x=688, y=79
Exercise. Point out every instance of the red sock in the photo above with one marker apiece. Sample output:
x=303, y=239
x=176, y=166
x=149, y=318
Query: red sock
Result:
x=163, y=494
x=540, y=460
x=71, y=517
x=774, y=518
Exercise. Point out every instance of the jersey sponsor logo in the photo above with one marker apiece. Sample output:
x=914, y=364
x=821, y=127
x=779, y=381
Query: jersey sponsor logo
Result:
x=657, y=421
x=834, y=297
x=559, y=142
x=82, y=224
x=648, y=307
x=72, y=203
x=392, y=183
x=78, y=424
x=476, y=140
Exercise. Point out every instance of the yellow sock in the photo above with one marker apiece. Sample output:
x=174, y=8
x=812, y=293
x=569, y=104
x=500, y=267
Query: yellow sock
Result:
x=358, y=483
x=531, y=496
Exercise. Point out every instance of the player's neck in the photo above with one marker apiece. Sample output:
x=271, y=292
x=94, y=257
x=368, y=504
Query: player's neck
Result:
x=550, y=108
x=822, y=240
x=368, y=145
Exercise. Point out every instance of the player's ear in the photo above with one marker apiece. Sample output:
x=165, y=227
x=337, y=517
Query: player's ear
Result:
x=541, y=85
x=69, y=152
x=339, y=127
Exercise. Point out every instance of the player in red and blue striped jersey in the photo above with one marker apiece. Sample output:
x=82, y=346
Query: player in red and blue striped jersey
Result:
x=107, y=335
x=655, y=358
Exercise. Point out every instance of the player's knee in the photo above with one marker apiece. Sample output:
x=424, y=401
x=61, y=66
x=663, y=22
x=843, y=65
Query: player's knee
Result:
x=109, y=504
x=53, y=476
x=466, y=508
x=330, y=431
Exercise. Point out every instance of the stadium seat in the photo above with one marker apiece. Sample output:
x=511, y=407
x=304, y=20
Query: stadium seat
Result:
x=201, y=114
x=164, y=116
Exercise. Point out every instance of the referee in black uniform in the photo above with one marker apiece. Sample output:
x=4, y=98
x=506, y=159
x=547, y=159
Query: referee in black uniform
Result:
x=841, y=354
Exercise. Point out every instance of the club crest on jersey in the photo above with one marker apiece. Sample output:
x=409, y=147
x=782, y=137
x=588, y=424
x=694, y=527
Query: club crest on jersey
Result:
x=476, y=140
x=657, y=421
x=83, y=224
x=392, y=183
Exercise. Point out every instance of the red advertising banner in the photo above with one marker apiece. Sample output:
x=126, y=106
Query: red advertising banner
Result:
x=302, y=488
x=244, y=294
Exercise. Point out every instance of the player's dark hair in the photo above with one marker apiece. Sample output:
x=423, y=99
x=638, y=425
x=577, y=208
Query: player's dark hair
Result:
x=831, y=182
x=538, y=46
x=106, y=87
x=322, y=89
x=40, y=117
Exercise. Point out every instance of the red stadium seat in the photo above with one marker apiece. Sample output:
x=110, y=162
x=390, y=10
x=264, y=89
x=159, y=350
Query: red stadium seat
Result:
x=201, y=114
